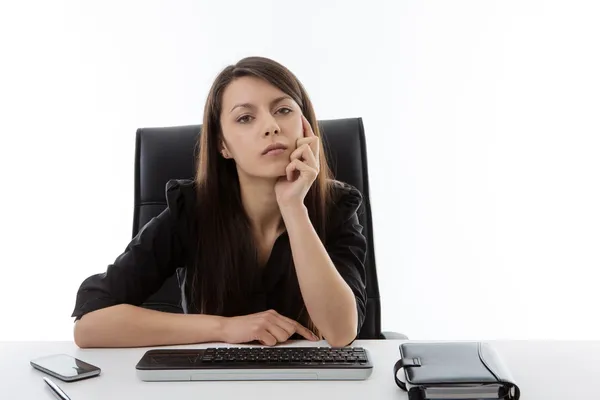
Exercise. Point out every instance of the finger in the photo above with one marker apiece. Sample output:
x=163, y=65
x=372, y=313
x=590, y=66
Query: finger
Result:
x=313, y=146
x=305, y=332
x=296, y=168
x=299, y=328
x=313, y=142
x=308, y=132
x=278, y=332
x=288, y=324
x=305, y=153
x=310, y=157
x=295, y=326
x=274, y=318
x=303, y=168
x=266, y=338
x=290, y=170
x=285, y=324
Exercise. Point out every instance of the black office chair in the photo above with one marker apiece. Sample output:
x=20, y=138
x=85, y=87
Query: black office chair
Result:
x=170, y=153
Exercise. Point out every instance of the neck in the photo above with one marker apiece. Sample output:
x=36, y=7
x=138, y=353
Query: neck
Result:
x=260, y=203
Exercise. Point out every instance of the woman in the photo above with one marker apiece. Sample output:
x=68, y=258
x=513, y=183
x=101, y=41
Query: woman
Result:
x=270, y=244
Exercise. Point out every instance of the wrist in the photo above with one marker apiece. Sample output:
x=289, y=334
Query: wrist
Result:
x=210, y=328
x=221, y=329
x=295, y=210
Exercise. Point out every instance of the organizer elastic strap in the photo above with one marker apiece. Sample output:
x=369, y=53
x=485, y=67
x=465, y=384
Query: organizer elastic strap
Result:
x=404, y=363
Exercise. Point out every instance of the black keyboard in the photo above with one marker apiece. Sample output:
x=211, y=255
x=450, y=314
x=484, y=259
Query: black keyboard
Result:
x=290, y=356
x=322, y=362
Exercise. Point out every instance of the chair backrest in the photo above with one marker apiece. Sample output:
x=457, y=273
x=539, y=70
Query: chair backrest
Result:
x=170, y=153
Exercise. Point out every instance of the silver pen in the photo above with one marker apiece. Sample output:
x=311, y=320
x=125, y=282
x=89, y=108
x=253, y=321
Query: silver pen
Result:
x=57, y=391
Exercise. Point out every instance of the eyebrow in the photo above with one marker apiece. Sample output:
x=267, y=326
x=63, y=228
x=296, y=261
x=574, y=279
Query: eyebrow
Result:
x=250, y=105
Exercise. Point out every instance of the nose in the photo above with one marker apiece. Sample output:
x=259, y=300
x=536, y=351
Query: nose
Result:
x=272, y=128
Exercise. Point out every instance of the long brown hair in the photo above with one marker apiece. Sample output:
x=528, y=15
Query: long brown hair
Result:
x=227, y=254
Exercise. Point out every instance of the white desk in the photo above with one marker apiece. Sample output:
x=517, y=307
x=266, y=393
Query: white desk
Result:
x=543, y=370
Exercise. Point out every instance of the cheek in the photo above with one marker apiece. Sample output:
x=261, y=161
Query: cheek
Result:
x=243, y=146
x=293, y=128
x=235, y=139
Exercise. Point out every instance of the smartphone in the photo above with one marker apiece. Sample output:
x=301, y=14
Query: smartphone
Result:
x=65, y=367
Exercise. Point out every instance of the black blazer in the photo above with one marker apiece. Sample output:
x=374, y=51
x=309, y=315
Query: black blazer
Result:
x=169, y=241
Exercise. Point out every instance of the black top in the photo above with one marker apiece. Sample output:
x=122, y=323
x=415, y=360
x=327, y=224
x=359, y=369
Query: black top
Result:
x=163, y=245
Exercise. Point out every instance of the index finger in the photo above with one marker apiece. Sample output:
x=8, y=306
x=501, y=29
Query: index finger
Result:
x=308, y=132
x=304, y=331
x=299, y=328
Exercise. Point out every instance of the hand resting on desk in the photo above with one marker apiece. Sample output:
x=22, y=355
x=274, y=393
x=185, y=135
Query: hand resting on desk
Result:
x=125, y=325
x=268, y=327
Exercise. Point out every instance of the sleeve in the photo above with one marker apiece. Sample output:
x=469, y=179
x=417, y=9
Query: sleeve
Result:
x=347, y=246
x=151, y=257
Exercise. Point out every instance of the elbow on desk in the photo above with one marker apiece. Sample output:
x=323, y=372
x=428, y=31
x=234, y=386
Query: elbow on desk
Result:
x=78, y=336
x=82, y=334
x=342, y=336
x=341, y=340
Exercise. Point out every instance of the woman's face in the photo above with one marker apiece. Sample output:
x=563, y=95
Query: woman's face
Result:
x=255, y=115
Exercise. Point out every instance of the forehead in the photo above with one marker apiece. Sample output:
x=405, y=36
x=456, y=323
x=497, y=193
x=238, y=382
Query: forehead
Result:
x=249, y=90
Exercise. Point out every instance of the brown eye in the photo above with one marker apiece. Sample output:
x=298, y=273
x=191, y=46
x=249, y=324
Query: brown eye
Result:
x=244, y=119
x=287, y=110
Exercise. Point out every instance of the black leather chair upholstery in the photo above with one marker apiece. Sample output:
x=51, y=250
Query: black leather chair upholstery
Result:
x=170, y=153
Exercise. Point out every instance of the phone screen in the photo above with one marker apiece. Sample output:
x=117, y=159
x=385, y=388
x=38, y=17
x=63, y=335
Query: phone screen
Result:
x=66, y=366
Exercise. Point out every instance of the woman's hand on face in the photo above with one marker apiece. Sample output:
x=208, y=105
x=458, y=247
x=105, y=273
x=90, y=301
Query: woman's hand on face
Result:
x=302, y=170
x=268, y=327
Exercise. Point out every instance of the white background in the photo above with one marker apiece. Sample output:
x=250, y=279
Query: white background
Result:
x=482, y=122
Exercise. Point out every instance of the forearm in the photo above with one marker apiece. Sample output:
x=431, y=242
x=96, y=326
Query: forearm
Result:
x=329, y=300
x=130, y=326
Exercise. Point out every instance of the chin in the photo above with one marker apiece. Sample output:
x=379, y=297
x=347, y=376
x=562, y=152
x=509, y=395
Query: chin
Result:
x=274, y=174
x=274, y=170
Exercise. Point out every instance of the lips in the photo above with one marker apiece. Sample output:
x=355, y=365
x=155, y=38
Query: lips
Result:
x=274, y=146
